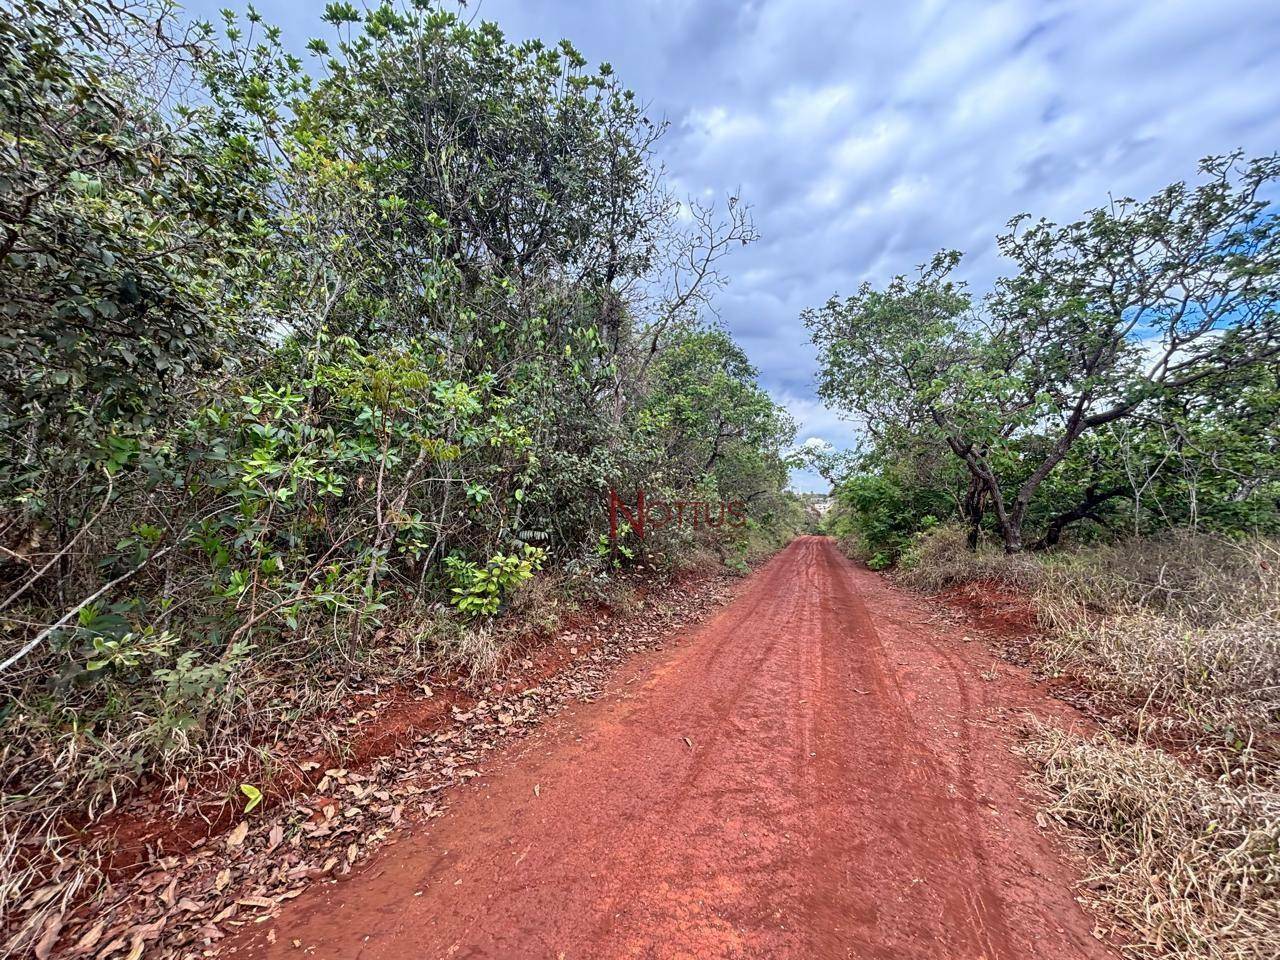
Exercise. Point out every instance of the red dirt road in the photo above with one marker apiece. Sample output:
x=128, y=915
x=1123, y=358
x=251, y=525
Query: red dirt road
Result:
x=820, y=770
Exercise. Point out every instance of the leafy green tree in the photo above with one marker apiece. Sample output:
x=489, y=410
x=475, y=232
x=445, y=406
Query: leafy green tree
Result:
x=121, y=225
x=712, y=418
x=531, y=238
x=1138, y=304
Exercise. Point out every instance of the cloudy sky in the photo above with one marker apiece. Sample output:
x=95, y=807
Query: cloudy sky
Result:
x=868, y=135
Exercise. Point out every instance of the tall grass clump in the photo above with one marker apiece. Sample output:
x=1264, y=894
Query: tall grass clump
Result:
x=1181, y=634
x=1186, y=627
x=939, y=558
x=1189, y=864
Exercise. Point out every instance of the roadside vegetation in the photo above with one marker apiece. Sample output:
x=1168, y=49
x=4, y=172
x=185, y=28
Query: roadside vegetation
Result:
x=1099, y=435
x=317, y=375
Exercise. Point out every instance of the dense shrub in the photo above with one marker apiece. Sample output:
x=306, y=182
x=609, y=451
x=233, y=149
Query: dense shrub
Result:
x=306, y=375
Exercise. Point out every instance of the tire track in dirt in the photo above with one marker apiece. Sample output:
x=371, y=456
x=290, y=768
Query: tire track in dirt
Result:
x=814, y=772
x=973, y=912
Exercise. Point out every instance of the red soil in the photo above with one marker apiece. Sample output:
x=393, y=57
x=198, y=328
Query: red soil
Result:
x=818, y=771
x=994, y=609
x=146, y=827
x=150, y=826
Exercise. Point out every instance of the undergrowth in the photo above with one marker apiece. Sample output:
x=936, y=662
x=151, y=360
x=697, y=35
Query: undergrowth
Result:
x=940, y=558
x=60, y=775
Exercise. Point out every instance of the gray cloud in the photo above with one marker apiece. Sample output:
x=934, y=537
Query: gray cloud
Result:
x=868, y=136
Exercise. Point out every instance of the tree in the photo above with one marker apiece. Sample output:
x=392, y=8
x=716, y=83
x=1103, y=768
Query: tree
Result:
x=712, y=418
x=497, y=202
x=126, y=222
x=1137, y=304
x=111, y=215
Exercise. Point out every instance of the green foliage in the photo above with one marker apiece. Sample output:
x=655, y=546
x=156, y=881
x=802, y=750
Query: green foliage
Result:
x=479, y=590
x=882, y=514
x=252, y=794
x=1130, y=356
x=293, y=359
x=124, y=224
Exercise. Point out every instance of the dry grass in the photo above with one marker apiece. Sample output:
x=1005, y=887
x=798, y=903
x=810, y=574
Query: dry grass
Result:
x=1189, y=865
x=1197, y=578
x=941, y=558
x=1186, y=631
x=79, y=762
x=1181, y=635
x=1217, y=683
x=57, y=770
x=1188, y=627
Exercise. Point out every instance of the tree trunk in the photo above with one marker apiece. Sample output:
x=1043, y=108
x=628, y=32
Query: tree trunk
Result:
x=1012, y=532
x=1093, y=499
x=972, y=511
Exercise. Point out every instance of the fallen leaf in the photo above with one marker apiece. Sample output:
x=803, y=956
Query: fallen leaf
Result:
x=89, y=939
x=51, y=932
x=149, y=931
x=141, y=934
x=275, y=837
x=236, y=836
x=111, y=947
x=40, y=896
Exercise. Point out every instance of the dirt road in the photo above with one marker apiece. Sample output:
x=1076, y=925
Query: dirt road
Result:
x=821, y=770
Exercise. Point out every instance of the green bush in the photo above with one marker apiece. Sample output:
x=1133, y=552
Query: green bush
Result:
x=479, y=590
x=879, y=516
x=303, y=363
